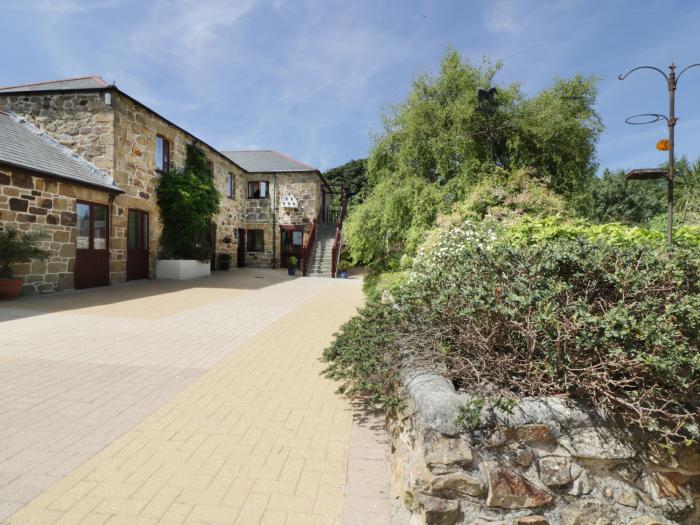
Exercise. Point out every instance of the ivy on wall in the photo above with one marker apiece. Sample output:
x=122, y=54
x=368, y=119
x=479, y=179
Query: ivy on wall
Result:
x=188, y=200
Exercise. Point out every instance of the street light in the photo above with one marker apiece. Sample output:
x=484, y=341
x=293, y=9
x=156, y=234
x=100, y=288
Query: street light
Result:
x=649, y=118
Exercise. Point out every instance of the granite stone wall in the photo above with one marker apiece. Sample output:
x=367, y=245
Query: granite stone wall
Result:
x=119, y=137
x=29, y=201
x=546, y=462
x=306, y=188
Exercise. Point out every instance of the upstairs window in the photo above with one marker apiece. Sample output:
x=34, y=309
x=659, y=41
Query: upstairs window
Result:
x=210, y=165
x=258, y=189
x=255, y=241
x=162, y=153
x=229, y=186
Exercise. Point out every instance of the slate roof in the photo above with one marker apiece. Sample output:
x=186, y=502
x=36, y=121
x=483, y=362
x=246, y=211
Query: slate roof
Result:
x=267, y=161
x=68, y=84
x=26, y=146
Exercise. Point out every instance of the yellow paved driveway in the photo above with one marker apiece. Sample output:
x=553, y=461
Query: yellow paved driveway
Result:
x=258, y=437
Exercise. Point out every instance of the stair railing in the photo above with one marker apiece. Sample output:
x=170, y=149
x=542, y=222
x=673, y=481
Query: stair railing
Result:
x=307, y=250
x=338, y=241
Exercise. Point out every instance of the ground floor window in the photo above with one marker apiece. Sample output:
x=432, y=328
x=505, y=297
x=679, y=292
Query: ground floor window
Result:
x=255, y=241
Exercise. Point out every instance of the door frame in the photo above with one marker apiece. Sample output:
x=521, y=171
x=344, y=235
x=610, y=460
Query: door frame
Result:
x=91, y=242
x=241, y=248
x=288, y=232
x=146, y=238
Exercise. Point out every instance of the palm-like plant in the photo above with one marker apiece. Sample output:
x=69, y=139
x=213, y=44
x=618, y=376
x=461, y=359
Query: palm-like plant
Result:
x=16, y=247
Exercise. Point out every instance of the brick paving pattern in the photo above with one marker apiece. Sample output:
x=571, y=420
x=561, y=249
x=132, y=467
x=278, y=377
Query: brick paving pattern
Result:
x=211, y=411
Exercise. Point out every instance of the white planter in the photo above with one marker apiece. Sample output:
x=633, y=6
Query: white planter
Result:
x=181, y=269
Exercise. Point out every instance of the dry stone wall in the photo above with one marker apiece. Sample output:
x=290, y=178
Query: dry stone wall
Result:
x=547, y=461
x=34, y=202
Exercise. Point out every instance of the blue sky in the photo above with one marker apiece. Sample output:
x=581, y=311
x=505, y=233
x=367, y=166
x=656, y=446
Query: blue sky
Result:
x=311, y=77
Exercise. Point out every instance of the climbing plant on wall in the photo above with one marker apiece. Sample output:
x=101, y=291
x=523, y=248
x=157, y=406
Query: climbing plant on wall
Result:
x=188, y=200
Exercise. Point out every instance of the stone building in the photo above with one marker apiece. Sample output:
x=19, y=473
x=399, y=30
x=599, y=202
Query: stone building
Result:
x=283, y=200
x=129, y=144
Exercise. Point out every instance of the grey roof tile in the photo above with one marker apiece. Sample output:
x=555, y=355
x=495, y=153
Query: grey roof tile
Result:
x=26, y=146
x=266, y=161
x=68, y=84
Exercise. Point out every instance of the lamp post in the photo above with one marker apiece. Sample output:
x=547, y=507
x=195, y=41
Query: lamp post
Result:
x=672, y=83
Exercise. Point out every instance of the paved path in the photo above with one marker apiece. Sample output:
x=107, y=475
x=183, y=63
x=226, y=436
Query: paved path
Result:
x=161, y=402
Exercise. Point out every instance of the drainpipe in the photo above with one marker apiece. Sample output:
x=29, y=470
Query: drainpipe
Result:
x=274, y=221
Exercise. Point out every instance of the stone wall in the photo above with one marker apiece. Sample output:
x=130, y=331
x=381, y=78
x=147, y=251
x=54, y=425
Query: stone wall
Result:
x=81, y=121
x=30, y=201
x=306, y=188
x=135, y=130
x=547, y=461
x=119, y=138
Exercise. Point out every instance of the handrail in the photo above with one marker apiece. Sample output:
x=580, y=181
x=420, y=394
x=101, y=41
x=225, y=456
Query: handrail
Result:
x=338, y=241
x=307, y=250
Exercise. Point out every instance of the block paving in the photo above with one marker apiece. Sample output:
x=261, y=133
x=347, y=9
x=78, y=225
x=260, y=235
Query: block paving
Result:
x=215, y=413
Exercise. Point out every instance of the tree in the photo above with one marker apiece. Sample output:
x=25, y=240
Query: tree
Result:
x=615, y=199
x=443, y=136
x=188, y=200
x=352, y=176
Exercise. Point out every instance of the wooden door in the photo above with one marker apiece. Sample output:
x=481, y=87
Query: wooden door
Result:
x=291, y=243
x=137, y=256
x=240, y=262
x=212, y=246
x=91, y=245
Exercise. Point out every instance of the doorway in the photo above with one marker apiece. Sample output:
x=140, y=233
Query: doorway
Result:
x=137, y=259
x=91, y=245
x=291, y=243
x=240, y=255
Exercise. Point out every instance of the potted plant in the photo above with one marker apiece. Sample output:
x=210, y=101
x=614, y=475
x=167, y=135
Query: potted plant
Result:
x=224, y=261
x=343, y=267
x=292, y=265
x=16, y=247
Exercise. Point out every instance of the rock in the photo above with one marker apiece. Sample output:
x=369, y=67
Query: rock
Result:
x=437, y=404
x=591, y=443
x=444, y=455
x=583, y=484
x=626, y=498
x=645, y=521
x=531, y=520
x=627, y=472
x=509, y=490
x=528, y=434
x=555, y=471
x=689, y=461
x=524, y=456
x=439, y=511
x=479, y=521
x=452, y=486
x=589, y=513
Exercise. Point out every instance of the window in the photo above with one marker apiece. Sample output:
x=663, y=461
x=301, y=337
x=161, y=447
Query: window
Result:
x=210, y=165
x=258, y=189
x=162, y=153
x=229, y=186
x=255, y=241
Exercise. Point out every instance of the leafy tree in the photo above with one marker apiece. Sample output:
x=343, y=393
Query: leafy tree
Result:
x=352, y=176
x=17, y=247
x=614, y=199
x=188, y=200
x=442, y=135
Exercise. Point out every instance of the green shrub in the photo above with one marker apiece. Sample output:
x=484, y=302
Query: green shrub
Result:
x=615, y=323
x=188, y=200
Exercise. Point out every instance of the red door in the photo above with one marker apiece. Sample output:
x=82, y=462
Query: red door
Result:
x=137, y=260
x=91, y=245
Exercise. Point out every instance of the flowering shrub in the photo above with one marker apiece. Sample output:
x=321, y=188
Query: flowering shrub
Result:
x=616, y=324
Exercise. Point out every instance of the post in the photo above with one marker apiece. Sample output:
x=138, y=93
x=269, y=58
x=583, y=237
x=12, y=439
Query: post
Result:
x=671, y=152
